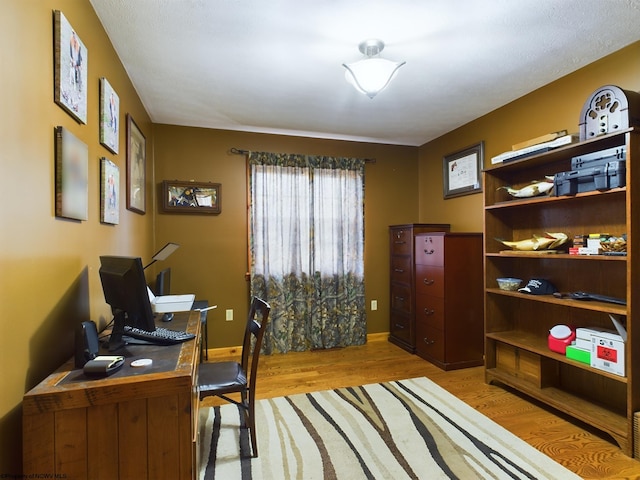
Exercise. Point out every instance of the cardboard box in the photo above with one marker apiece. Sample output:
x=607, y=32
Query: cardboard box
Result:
x=578, y=354
x=607, y=352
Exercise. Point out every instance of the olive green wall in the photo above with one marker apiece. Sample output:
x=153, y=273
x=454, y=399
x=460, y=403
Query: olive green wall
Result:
x=554, y=107
x=212, y=259
x=49, y=280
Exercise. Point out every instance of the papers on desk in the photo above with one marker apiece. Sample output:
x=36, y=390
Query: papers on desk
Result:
x=171, y=303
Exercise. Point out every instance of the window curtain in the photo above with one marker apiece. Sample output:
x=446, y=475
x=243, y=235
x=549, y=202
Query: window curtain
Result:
x=306, y=219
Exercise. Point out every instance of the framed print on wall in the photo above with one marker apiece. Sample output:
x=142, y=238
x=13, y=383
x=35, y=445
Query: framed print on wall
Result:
x=109, y=192
x=72, y=176
x=191, y=197
x=462, y=171
x=136, y=167
x=109, y=116
x=70, y=69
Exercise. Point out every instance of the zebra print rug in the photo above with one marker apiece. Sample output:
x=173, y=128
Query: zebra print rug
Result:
x=410, y=429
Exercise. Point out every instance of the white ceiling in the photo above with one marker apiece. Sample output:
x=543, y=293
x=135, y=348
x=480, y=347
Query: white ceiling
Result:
x=276, y=66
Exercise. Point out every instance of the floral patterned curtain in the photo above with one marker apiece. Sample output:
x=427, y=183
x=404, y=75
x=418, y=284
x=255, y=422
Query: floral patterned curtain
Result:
x=307, y=249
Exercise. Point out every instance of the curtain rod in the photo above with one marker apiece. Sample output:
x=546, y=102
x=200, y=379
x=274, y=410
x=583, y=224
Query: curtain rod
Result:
x=238, y=151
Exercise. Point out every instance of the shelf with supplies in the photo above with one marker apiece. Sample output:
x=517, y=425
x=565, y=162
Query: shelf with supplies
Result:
x=517, y=325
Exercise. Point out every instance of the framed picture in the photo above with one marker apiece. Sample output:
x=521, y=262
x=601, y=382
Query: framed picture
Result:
x=136, y=167
x=191, y=197
x=70, y=69
x=72, y=176
x=109, y=192
x=462, y=171
x=109, y=117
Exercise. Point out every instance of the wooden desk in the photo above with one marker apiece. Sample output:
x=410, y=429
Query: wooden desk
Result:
x=139, y=423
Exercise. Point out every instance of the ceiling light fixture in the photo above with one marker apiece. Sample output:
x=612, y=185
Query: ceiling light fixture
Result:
x=371, y=75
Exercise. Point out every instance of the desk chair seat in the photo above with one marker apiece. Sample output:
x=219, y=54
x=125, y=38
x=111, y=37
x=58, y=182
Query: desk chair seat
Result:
x=223, y=378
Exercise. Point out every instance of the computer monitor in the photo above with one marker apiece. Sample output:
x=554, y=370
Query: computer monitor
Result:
x=163, y=282
x=125, y=290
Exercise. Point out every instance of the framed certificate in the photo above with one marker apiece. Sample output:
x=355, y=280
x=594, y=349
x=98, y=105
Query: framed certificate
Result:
x=462, y=171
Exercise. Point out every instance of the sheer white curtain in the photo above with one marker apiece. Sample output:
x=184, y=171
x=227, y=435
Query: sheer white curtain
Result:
x=307, y=249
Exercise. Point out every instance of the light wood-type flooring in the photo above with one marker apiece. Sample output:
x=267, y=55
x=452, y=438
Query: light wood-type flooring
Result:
x=578, y=447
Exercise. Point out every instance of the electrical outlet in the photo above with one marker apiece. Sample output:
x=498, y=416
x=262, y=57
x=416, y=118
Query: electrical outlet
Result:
x=229, y=314
x=374, y=304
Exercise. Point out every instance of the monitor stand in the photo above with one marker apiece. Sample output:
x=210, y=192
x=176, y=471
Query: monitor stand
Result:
x=115, y=340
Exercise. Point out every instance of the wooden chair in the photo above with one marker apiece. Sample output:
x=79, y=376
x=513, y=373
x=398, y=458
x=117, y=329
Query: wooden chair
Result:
x=223, y=378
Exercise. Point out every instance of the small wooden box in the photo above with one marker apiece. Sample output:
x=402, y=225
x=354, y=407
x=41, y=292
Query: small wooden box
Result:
x=524, y=365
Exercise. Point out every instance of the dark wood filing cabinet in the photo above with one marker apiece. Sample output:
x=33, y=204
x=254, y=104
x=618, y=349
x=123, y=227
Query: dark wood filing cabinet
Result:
x=402, y=294
x=449, y=316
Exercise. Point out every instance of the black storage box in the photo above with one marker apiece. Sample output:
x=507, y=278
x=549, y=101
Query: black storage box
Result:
x=603, y=177
x=594, y=171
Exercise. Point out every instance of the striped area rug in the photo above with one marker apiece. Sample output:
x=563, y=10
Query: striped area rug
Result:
x=409, y=429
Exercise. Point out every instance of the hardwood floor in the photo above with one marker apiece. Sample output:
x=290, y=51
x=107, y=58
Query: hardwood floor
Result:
x=579, y=448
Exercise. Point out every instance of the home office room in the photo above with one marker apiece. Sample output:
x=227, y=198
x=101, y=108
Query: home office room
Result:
x=170, y=118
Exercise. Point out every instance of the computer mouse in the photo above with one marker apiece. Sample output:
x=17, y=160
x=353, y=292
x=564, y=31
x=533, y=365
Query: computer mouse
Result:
x=167, y=317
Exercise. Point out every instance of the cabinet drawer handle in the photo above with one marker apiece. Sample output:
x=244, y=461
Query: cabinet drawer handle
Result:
x=398, y=270
x=429, y=252
x=398, y=242
x=428, y=342
x=399, y=327
x=428, y=311
x=427, y=281
x=400, y=299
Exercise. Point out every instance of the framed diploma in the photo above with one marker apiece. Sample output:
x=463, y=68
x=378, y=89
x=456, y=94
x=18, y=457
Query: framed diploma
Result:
x=462, y=171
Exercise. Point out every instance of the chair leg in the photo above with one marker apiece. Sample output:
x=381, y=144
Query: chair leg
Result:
x=252, y=428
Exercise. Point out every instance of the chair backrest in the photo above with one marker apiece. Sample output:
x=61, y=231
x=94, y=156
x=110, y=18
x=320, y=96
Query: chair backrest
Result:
x=253, y=334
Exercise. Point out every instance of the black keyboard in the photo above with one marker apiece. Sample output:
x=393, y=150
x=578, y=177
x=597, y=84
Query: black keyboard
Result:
x=160, y=336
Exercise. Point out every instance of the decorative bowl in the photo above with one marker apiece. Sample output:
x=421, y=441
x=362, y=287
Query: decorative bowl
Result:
x=508, y=283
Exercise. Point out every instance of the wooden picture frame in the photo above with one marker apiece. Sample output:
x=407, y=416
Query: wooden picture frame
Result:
x=109, y=117
x=70, y=69
x=136, y=167
x=191, y=197
x=71, y=176
x=109, y=192
x=462, y=171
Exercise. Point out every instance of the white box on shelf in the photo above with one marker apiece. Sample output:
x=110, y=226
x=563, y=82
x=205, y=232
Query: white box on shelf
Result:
x=607, y=352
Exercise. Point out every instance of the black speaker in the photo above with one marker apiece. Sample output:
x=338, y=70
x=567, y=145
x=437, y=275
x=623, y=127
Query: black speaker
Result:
x=87, y=345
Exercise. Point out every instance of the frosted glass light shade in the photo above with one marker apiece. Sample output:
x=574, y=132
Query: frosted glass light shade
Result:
x=371, y=75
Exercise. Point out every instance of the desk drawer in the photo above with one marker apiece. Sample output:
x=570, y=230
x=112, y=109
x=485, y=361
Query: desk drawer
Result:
x=401, y=298
x=401, y=241
x=430, y=249
x=401, y=269
x=430, y=280
x=400, y=327
x=430, y=311
x=429, y=342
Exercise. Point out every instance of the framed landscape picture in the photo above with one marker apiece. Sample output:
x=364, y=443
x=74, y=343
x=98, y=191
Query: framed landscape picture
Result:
x=72, y=176
x=109, y=117
x=109, y=192
x=136, y=167
x=70, y=69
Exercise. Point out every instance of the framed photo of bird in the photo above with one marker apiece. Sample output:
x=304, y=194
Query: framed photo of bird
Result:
x=191, y=197
x=462, y=171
